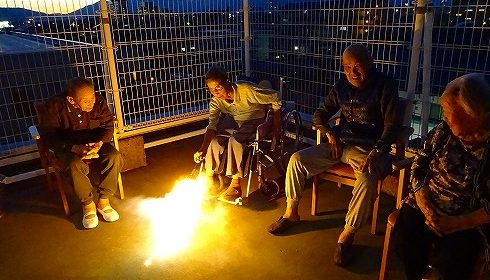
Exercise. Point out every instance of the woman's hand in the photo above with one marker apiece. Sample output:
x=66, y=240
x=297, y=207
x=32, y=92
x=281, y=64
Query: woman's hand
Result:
x=443, y=224
x=198, y=157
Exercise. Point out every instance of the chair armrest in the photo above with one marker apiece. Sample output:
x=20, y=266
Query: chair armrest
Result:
x=34, y=132
x=404, y=134
x=402, y=164
x=393, y=217
x=318, y=137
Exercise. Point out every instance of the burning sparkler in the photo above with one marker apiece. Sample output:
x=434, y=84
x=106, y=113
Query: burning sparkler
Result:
x=177, y=217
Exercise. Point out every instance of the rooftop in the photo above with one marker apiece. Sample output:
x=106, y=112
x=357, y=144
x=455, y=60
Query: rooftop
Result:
x=38, y=241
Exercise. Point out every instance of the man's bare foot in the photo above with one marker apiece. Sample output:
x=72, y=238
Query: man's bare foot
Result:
x=103, y=202
x=346, y=237
x=88, y=208
x=291, y=217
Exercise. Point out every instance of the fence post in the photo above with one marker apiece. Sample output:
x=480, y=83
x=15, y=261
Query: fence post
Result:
x=111, y=61
x=426, y=87
x=420, y=10
x=246, y=36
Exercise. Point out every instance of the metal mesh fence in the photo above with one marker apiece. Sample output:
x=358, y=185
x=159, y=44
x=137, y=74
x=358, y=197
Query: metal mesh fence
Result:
x=460, y=45
x=303, y=42
x=163, y=54
x=164, y=48
x=37, y=58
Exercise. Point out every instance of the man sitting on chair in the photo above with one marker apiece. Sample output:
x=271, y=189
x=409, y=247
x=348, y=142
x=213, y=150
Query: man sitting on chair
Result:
x=367, y=100
x=78, y=126
x=235, y=109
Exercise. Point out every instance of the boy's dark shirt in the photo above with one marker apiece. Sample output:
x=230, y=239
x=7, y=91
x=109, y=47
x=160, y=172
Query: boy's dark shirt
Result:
x=63, y=125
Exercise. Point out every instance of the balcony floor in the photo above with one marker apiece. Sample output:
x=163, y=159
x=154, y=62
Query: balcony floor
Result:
x=38, y=241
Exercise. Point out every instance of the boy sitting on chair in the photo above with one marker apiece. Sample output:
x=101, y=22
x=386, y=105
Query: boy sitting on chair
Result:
x=78, y=126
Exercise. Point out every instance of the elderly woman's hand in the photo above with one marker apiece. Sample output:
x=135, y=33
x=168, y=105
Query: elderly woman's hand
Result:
x=428, y=209
x=443, y=224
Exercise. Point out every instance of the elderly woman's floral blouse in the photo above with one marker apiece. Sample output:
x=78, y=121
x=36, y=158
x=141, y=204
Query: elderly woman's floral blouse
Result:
x=449, y=168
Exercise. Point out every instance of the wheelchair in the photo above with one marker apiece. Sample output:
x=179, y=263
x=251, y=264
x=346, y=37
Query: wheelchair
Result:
x=261, y=155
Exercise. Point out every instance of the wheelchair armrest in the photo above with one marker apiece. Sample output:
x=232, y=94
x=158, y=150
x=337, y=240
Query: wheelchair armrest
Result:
x=263, y=131
x=34, y=132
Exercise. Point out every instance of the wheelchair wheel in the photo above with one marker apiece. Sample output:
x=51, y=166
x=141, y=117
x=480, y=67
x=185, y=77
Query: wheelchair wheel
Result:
x=269, y=188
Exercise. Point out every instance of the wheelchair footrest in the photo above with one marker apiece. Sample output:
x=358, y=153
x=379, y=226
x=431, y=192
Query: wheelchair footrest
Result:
x=238, y=201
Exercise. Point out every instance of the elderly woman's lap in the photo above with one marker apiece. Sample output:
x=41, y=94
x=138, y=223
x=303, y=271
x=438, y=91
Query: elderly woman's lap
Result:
x=454, y=255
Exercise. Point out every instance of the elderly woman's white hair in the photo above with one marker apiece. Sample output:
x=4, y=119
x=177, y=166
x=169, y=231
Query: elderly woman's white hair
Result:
x=473, y=93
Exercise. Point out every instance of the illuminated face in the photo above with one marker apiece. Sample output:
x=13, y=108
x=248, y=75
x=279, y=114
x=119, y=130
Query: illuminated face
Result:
x=84, y=99
x=219, y=89
x=354, y=69
x=462, y=124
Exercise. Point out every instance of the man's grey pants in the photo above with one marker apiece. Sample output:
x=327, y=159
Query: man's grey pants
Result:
x=311, y=161
x=110, y=163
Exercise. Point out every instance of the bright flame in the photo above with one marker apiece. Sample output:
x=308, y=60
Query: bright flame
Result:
x=177, y=217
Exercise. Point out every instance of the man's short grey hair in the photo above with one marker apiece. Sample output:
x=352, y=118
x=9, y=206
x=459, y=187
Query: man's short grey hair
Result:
x=473, y=92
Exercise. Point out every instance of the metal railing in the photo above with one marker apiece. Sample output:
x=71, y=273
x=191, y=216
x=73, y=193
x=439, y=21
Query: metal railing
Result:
x=150, y=61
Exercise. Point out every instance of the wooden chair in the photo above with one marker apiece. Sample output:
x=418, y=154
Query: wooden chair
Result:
x=51, y=163
x=478, y=271
x=343, y=174
x=402, y=191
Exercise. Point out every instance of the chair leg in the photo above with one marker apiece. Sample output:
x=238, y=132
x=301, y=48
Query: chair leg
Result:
x=61, y=188
x=383, y=271
x=120, y=184
x=374, y=220
x=314, y=197
x=49, y=179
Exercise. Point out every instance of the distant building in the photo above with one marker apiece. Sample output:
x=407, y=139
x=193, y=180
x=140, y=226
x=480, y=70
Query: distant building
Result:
x=147, y=7
x=121, y=6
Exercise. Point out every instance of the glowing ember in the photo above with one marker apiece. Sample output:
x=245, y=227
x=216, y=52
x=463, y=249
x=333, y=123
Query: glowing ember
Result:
x=177, y=217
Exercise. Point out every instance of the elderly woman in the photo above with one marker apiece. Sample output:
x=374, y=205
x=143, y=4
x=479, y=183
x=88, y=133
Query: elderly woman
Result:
x=445, y=220
x=236, y=108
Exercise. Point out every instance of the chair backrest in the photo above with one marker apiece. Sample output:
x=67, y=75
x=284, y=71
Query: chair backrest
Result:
x=39, y=106
x=44, y=152
x=405, y=131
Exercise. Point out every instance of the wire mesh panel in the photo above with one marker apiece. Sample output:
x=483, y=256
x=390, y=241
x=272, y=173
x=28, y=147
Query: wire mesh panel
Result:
x=303, y=41
x=46, y=46
x=460, y=45
x=163, y=52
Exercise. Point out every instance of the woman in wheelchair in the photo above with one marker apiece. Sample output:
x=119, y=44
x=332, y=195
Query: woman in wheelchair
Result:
x=445, y=221
x=236, y=110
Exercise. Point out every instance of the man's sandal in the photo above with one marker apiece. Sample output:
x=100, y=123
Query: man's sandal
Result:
x=90, y=219
x=108, y=213
x=281, y=225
